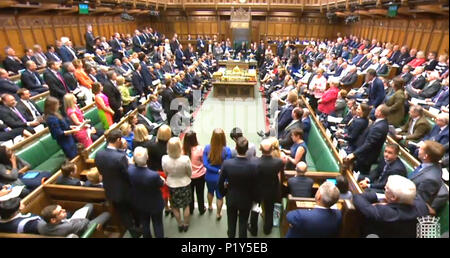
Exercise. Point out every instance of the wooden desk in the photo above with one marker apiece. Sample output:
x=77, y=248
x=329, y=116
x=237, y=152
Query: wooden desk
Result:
x=234, y=89
x=230, y=64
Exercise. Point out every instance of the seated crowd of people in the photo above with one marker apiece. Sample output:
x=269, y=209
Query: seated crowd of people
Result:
x=151, y=164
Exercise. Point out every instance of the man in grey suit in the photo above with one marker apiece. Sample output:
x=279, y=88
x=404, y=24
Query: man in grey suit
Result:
x=428, y=176
x=285, y=137
x=57, y=224
x=429, y=90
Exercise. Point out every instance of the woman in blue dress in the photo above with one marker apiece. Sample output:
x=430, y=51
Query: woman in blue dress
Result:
x=213, y=157
x=60, y=128
x=298, y=150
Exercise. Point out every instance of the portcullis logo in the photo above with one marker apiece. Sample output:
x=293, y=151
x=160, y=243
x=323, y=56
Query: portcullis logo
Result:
x=428, y=227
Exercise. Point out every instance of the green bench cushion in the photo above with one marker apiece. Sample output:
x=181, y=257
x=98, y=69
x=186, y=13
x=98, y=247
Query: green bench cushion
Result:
x=34, y=154
x=101, y=147
x=322, y=156
x=40, y=104
x=443, y=215
x=53, y=163
x=92, y=115
x=310, y=162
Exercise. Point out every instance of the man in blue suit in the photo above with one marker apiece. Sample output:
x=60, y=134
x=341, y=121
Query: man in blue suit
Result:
x=146, y=193
x=112, y=163
x=322, y=221
x=68, y=54
x=441, y=98
x=31, y=79
x=179, y=57
x=376, y=89
x=372, y=140
x=428, y=176
x=398, y=216
x=390, y=165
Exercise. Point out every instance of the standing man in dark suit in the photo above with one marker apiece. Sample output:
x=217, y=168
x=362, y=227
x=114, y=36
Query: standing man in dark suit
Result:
x=167, y=96
x=398, y=216
x=373, y=138
x=268, y=171
x=6, y=85
x=322, y=221
x=55, y=81
x=137, y=80
x=428, y=176
x=112, y=92
x=31, y=80
x=116, y=47
x=112, y=164
x=146, y=193
x=200, y=46
x=390, y=165
x=138, y=44
x=240, y=175
x=90, y=39
x=179, y=57
x=376, y=89
x=12, y=63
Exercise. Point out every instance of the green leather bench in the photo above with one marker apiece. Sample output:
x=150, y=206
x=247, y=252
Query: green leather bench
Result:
x=92, y=115
x=101, y=147
x=44, y=154
x=319, y=156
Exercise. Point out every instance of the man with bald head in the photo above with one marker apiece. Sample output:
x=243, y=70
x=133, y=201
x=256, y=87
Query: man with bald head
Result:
x=268, y=171
x=300, y=185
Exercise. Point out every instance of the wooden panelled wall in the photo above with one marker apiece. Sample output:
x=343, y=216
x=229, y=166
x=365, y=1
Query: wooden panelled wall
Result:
x=24, y=31
x=261, y=29
x=422, y=34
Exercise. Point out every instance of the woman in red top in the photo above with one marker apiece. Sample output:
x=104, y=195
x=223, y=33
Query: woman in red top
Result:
x=329, y=97
x=194, y=151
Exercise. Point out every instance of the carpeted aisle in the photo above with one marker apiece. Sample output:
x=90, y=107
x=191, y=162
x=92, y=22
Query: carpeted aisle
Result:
x=226, y=113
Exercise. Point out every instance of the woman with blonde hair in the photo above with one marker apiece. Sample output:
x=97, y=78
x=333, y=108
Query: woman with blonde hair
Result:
x=178, y=170
x=105, y=113
x=156, y=151
x=76, y=118
x=213, y=156
x=276, y=150
x=127, y=134
x=141, y=137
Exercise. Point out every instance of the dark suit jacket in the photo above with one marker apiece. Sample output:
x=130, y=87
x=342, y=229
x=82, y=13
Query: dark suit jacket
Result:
x=113, y=94
x=64, y=180
x=441, y=99
x=99, y=60
x=241, y=176
x=382, y=69
x=90, y=42
x=53, y=56
x=138, y=82
x=378, y=180
x=26, y=58
x=418, y=82
x=285, y=137
x=437, y=135
x=29, y=81
x=66, y=55
x=115, y=48
x=11, y=119
x=55, y=86
x=7, y=86
x=284, y=118
x=355, y=130
x=12, y=65
x=267, y=169
x=70, y=80
x=349, y=79
x=428, y=182
x=373, y=140
x=430, y=89
x=376, y=93
x=407, y=77
x=167, y=96
x=146, y=74
x=314, y=223
x=390, y=220
x=145, y=189
x=113, y=166
x=25, y=111
x=136, y=46
x=300, y=186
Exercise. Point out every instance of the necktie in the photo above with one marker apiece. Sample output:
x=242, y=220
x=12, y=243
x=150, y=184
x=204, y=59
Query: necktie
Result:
x=386, y=167
x=120, y=46
x=35, y=111
x=63, y=82
x=19, y=115
x=415, y=172
x=56, y=57
x=139, y=39
x=38, y=82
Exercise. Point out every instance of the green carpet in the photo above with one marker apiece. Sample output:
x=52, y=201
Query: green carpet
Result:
x=225, y=113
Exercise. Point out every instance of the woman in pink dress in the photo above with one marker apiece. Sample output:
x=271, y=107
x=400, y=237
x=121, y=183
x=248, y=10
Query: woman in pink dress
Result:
x=77, y=118
x=194, y=151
